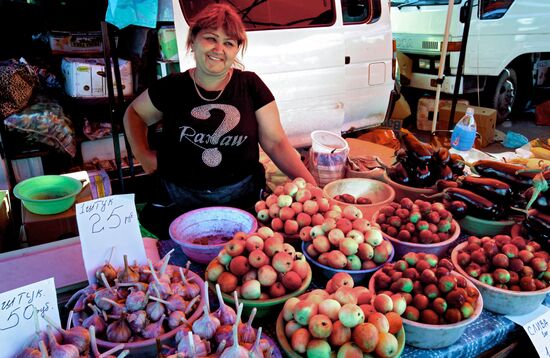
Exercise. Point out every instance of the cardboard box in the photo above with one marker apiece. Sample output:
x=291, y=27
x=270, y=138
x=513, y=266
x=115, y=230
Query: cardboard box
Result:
x=165, y=68
x=486, y=119
x=85, y=77
x=76, y=43
x=425, y=111
x=168, y=45
x=40, y=229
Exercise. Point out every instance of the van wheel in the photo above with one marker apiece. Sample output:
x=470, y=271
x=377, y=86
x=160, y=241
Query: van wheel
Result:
x=503, y=94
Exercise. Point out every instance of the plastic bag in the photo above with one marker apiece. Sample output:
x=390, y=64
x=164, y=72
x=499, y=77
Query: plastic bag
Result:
x=385, y=137
x=17, y=84
x=45, y=122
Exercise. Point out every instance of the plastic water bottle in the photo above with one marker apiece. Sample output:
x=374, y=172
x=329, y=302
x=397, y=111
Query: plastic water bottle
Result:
x=464, y=133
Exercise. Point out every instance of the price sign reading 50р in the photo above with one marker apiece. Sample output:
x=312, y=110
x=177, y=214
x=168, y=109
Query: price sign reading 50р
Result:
x=109, y=225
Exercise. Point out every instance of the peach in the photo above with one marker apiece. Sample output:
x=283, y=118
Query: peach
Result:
x=328, y=224
x=288, y=308
x=251, y=290
x=267, y=275
x=310, y=207
x=257, y=258
x=304, y=310
x=324, y=204
x=286, y=213
x=254, y=242
x=348, y=246
x=235, y=247
x=263, y=215
x=335, y=236
x=302, y=195
x=271, y=199
x=239, y=265
x=380, y=321
x=310, y=249
x=365, y=335
x=291, y=327
x=330, y=308
x=321, y=243
x=365, y=251
x=277, y=224
x=274, y=210
x=317, y=219
x=260, y=205
x=345, y=295
x=292, y=281
x=303, y=220
x=250, y=275
x=356, y=235
x=282, y=262
x=277, y=290
x=363, y=295
x=273, y=245
x=223, y=257
x=300, y=339
x=361, y=224
x=340, y=334
x=337, y=259
x=349, y=350
x=320, y=326
x=395, y=322
x=214, y=270
x=291, y=227
x=301, y=267
x=228, y=282
x=318, y=348
x=387, y=345
x=323, y=259
x=342, y=279
x=383, y=303
x=344, y=224
x=351, y=315
x=316, y=231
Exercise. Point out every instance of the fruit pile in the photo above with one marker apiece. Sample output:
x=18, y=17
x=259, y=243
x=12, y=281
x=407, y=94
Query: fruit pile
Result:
x=343, y=320
x=350, y=199
x=292, y=206
x=419, y=165
x=505, y=262
x=347, y=244
x=418, y=222
x=433, y=292
x=259, y=266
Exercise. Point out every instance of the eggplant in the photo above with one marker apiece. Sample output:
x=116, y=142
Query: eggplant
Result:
x=515, y=175
x=418, y=151
x=478, y=206
x=542, y=202
x=537, y=225
x=492, y=189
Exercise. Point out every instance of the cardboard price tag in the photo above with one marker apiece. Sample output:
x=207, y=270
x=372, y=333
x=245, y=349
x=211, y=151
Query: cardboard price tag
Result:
x=109, y=226
x=537, y=327
x=17, y=315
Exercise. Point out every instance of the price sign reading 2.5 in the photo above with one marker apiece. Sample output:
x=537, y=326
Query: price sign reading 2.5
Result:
x=113, y=221
x=107, y=223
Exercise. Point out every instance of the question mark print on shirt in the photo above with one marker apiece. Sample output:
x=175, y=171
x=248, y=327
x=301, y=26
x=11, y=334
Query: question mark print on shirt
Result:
x=212, y=156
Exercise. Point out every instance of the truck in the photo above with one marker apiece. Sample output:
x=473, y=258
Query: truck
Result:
x=506, y=59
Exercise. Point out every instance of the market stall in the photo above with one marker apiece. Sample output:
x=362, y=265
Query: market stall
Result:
x=411, y=255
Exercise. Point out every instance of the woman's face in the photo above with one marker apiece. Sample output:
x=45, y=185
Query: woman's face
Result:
x=214, y=51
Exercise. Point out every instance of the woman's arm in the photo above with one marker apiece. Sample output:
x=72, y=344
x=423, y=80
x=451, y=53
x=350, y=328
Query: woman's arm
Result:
x=276, y=144
x=140, y=114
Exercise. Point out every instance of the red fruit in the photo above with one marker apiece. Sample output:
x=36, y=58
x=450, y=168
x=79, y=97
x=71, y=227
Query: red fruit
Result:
x=239, y=265
x=292, y=281
x=277, y=290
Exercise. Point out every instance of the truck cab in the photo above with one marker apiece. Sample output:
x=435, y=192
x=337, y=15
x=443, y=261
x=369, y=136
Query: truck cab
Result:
x=328, y=63
x=507, y=47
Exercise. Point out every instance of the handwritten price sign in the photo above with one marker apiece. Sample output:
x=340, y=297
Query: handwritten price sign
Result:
x=17, y=310
x=537, y=326
x=108, y=225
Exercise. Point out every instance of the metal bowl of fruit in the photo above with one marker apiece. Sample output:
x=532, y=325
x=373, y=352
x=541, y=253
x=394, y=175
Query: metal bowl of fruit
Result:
x=368, y=195
x=501, y=300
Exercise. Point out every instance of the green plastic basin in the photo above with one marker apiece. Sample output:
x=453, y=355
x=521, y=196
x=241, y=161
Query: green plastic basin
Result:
x=47, y=194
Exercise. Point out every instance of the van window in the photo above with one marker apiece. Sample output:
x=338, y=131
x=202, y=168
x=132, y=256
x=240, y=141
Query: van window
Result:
x=402, y=3
x=493, y=9
x=359, y=11
x=272, y=14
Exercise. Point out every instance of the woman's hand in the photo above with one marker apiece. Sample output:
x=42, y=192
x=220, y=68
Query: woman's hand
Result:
x=148, y=161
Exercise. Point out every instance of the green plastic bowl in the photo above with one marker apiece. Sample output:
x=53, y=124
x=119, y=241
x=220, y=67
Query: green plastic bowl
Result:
x=47, y=194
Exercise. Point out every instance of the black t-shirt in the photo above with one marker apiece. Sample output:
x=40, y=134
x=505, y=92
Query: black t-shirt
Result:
x=208, y=144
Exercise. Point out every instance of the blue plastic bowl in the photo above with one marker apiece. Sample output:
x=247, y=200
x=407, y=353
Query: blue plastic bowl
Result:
x=328, y=272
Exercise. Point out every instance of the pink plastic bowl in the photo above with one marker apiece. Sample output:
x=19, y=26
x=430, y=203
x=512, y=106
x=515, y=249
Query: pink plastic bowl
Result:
x=212, y=222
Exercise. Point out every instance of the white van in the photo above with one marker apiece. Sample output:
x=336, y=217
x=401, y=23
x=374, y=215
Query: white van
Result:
x=508, y=43
x=327, y=62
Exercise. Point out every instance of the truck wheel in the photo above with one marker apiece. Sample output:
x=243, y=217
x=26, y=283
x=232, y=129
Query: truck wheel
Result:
x=503, y=94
